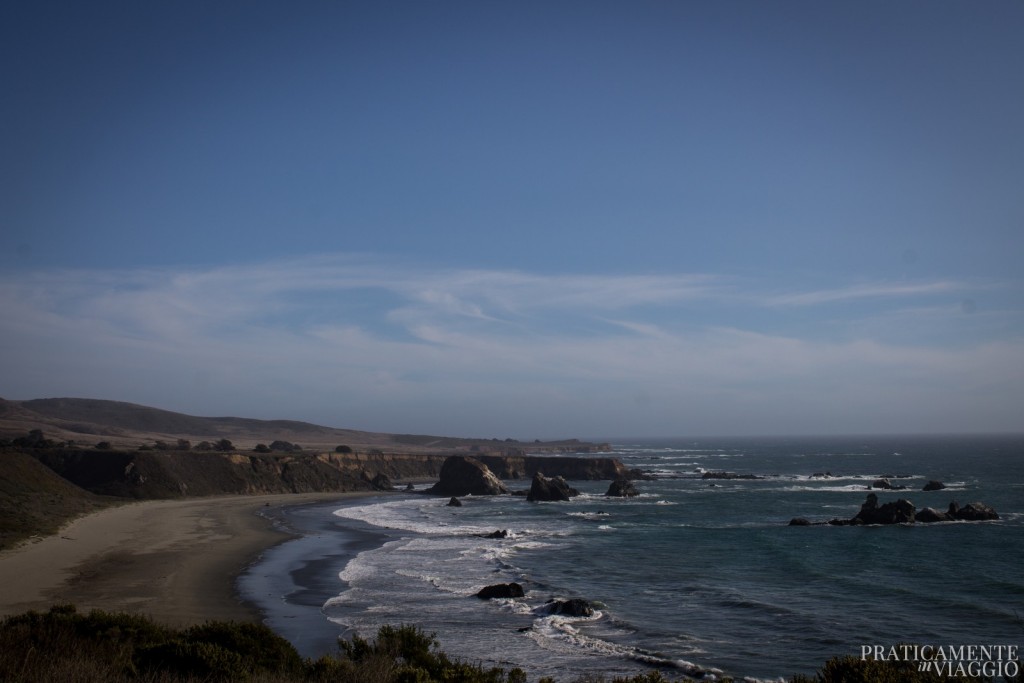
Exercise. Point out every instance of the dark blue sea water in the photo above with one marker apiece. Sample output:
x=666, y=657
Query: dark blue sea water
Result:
x=705, y=575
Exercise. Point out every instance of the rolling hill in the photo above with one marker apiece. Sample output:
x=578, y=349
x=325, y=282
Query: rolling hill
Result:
x=128, y=426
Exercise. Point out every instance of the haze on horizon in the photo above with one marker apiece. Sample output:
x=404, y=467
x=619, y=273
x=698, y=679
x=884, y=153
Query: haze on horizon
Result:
x=526, y=220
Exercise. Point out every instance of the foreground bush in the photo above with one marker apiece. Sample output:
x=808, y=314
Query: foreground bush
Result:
x=102, y=647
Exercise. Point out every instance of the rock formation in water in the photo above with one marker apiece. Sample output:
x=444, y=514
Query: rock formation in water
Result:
x=972, y=512
x=501, y=590
x=930, y=515
x=896, y=512
x=622, y=488
x=465, y=476
x=902, y=511
x=550, y=489
x=576, y=607
x=729, y=475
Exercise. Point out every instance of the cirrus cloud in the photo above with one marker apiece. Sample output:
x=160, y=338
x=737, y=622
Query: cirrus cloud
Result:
x=353, y=340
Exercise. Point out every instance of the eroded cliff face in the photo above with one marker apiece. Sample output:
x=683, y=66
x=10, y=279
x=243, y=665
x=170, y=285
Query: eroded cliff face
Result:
x=568, y=467
x=173, y=474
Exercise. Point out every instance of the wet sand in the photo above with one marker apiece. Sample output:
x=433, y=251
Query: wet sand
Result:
x=292, y=582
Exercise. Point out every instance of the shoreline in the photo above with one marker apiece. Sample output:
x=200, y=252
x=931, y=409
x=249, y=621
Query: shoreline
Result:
x=290, y=583
x=177, y=561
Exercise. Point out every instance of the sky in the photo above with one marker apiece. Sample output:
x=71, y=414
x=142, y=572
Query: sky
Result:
x=519, y=219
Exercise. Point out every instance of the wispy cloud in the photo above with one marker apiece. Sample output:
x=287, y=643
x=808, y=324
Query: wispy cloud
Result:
x=357, y=341
x=865, y=291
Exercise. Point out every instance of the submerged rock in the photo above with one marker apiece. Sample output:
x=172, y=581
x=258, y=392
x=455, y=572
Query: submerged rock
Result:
x=500, y=533
x=728, y=475
x=884, y=483
x=501, y=590
x=454, y=502
x=576, y=607
x=934, y=485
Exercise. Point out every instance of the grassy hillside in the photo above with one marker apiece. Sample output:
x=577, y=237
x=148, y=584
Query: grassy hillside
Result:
x=35, y=500
x=127, y=426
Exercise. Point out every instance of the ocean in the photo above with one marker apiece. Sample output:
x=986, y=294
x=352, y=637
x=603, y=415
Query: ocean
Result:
x=693, y=576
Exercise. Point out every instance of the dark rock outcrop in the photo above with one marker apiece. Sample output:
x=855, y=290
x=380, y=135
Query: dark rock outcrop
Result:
x=575, y=607
x=728, y=475
x=581, y=468
x=884, y=483
x=549, y=489
x=174, y=473
x=501, y=590
x=464, y=476
x=931, y=515
x=500, y=533
x=898, y=512
x=454, y=502
x=622, y=488
x=381, y=482
x=972, y=512
x=902, y=511
x=934, y=485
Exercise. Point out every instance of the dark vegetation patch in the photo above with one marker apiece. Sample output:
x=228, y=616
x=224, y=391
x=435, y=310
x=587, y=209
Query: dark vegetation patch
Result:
x=35, y=500
x=65, y=645
x=104, y=647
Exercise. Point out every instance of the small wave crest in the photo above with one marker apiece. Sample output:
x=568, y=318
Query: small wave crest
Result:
x=562, y=634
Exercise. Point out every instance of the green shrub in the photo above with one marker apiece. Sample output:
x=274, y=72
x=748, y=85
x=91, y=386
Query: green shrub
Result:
x=199, y=659
x=106, y=647
x=257, y=644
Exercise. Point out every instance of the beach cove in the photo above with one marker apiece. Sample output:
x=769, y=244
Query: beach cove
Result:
x=175, y=560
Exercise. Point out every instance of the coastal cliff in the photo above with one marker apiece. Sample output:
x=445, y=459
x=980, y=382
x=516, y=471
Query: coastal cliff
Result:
x=173, y=474
x=60, y=457
x=524, y=467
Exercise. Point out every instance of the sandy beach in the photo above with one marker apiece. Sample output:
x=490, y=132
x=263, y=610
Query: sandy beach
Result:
x=175, y=560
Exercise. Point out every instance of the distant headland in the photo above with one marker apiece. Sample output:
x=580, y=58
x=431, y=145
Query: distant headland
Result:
x=79, y=455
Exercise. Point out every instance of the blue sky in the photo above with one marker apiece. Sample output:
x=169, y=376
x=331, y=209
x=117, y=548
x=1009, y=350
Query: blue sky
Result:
x=523, y=219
